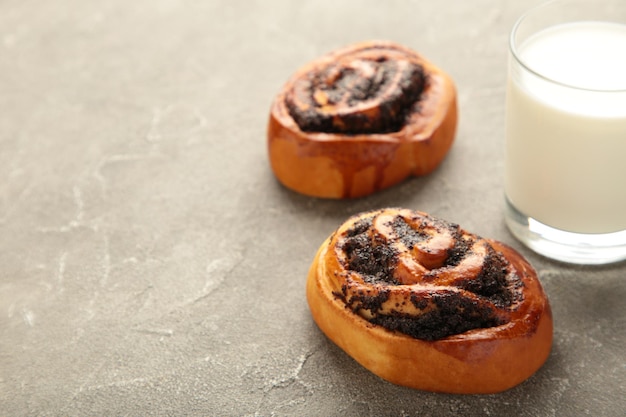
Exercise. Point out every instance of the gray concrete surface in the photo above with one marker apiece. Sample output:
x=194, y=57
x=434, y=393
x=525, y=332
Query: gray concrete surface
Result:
x=150, y=264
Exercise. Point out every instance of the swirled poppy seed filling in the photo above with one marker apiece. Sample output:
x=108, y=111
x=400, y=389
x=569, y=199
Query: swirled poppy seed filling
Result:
x=460, y=249
x=375, y=262
x=453, y=315
x=407, y=235
x=473, y=302
x=495, y=283
x=368, y=301
x=361, y=95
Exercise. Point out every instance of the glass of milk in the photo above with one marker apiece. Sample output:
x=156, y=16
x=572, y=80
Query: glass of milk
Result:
x=565, y=169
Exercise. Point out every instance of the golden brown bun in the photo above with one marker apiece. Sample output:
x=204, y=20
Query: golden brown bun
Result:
x=445, y=302
x=361, y=126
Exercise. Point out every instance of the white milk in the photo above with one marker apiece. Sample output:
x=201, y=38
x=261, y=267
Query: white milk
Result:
x=566, y=147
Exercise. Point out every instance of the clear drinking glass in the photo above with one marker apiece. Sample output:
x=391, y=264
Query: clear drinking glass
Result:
x=565, y=169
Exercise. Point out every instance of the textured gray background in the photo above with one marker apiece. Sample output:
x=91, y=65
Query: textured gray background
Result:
x=150, y=264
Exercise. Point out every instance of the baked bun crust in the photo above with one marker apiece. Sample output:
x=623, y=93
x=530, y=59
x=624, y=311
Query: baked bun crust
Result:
x=424, y=304
x=361, y=119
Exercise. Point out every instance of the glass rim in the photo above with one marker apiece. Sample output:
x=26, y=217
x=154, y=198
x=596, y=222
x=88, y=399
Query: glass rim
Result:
x=520, y=61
